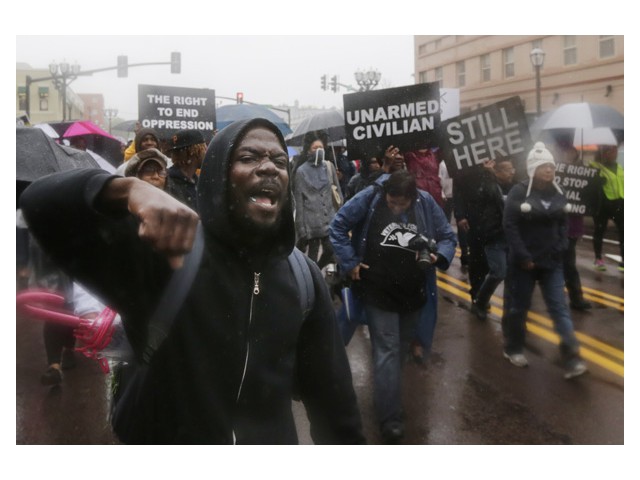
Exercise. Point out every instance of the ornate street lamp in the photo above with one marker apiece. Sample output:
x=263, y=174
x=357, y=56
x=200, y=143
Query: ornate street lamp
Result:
x=537, y=60
x=367, y=80
x=110, y=113
x=62, y=75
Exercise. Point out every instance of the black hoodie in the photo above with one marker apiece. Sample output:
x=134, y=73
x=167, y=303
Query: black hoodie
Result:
x=227, y=370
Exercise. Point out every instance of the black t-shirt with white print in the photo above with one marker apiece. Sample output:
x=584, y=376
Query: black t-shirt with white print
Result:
x=393, y=282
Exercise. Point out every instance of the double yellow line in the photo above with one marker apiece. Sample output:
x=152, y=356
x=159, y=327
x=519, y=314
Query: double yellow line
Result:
x=602, y=354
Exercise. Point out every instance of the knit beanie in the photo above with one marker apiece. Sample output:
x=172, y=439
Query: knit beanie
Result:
x=538, y=156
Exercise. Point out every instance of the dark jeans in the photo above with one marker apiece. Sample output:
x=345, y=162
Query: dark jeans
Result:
x=496, y=255
x=609, y=209
x=478, y=267
x=390, y=335
x=520, y=284
x=57, y=337
x=571, y=275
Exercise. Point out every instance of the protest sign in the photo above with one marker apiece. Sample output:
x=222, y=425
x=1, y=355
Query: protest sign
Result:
x=497, y=130
x=579, y=184
x=406, y=117
x=169, y=109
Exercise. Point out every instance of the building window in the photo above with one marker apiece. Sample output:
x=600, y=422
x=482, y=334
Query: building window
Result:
x=422, y=49
x=438, y=43
x=570, y=50
x=422, y=77
x=22, y=98
x=509, y=67
x=43, y=95
x=460, y=73
x=607, y=47
x=438, y=76
x=485, y=67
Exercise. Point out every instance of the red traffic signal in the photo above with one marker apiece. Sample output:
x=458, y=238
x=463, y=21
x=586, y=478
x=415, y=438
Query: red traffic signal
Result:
x=239, y=97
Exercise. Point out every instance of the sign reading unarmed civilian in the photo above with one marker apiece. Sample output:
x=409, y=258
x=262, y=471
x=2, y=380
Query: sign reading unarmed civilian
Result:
x=169, y=109
x=579, y=183
x=498, y=130
x=406, y=117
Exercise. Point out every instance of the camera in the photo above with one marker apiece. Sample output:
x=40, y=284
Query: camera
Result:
x=425, y=247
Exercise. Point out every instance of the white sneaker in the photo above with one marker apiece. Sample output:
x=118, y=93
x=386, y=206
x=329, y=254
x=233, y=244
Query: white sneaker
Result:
x=517, y=359
x=575, y=368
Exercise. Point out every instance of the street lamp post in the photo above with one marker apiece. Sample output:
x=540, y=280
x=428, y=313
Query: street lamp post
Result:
x=62, y=75
x=110, y=113
x=367, y=80
x=537, y=60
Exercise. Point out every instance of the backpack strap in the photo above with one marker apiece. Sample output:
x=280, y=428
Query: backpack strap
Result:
x=173, y=297
x=302, y=273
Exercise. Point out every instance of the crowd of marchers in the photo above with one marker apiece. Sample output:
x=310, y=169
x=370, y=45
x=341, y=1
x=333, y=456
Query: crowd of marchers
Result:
x=285, y=240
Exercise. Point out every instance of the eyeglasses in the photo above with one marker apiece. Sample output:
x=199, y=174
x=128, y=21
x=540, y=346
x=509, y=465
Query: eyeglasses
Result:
x=149, y=170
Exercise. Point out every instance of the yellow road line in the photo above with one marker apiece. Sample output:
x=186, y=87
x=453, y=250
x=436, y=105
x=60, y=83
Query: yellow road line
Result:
x=542, y=330
x=602, y=294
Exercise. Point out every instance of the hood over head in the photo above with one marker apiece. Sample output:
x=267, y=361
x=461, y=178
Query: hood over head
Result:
x=140, y=135
x=213, y=186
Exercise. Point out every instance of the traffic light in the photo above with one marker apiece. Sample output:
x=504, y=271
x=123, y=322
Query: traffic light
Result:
x=239, y=97
x=334, y=83
x=175, y=62
x=123, y=66
x=323, y=82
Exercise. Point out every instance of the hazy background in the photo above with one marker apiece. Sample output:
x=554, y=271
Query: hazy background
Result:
x=267, y=69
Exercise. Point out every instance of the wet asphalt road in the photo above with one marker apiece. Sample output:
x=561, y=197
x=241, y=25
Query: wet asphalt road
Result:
x=465, y=393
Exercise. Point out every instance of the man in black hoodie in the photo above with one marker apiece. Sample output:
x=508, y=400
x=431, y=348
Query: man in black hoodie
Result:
x=240, y=346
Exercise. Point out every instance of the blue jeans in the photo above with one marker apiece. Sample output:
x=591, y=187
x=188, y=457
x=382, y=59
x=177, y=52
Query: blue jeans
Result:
x=496, y=254
x=520, y=284
x=390, y=335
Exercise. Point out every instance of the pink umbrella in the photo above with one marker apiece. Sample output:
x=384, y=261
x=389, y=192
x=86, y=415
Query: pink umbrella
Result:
x=85, y=128
x=95, y=335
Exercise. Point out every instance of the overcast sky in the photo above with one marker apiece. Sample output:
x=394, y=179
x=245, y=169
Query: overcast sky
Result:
x=267, y=69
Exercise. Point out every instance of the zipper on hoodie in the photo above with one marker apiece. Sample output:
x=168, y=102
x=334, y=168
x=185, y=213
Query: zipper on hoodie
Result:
x=256, y=291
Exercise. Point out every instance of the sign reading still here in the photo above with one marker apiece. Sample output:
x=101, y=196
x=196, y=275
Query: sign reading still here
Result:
x=499, y=130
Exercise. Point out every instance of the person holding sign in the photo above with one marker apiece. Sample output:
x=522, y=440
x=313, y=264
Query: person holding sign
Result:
x=535, y=225
x=187, y=153
x=570, y=156
x=490, y=207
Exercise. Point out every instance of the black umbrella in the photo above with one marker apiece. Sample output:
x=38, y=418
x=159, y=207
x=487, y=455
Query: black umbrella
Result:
x=38, y=155
x=331, y=122
x=126, y=126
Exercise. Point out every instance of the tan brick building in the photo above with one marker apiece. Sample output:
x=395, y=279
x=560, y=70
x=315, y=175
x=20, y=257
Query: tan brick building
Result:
x=487, y=68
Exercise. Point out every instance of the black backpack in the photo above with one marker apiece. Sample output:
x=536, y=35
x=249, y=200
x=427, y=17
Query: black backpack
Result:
x=127, y=379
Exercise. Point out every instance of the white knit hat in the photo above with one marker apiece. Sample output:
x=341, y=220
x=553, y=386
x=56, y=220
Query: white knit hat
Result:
x=538, y=156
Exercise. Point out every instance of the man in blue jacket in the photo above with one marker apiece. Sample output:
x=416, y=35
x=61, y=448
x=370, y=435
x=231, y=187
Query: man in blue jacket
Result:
x=398, y=235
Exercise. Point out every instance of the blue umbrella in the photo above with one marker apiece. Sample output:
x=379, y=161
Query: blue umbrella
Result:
x=228, y=114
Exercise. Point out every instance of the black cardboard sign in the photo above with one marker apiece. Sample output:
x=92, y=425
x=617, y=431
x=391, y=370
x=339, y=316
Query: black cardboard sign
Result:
x=169, y=109
x=406, y=117
x=500, y=129
x=579, y=184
